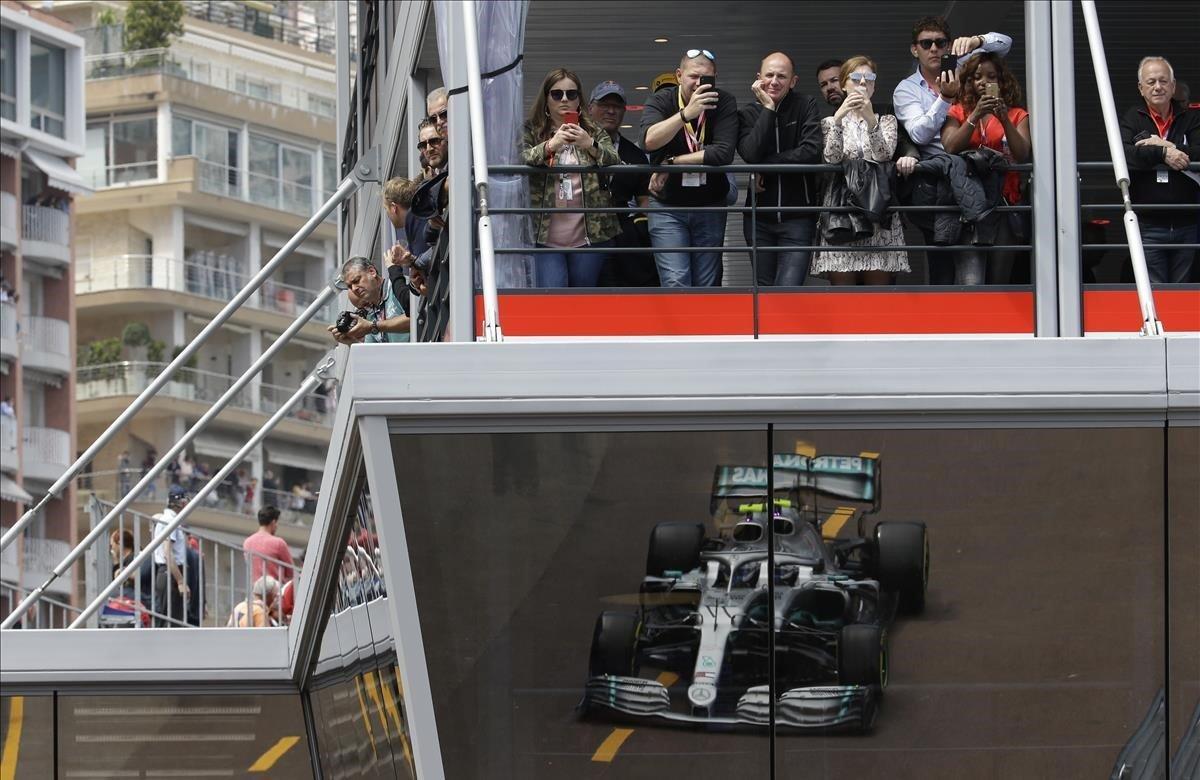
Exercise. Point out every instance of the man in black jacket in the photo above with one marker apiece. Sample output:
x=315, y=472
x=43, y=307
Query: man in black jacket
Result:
x=691, y=124
x=1161, y=138
x=781, y=127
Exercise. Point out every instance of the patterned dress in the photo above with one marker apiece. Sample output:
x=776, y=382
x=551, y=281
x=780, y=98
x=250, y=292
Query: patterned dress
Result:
x=851, y=139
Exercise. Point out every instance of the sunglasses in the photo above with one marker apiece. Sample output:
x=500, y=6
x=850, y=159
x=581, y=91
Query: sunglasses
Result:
x=423, y=145
x=859, y=78
x=441, y=115
x=929, y=43
x=564, y=94
x=691, y=53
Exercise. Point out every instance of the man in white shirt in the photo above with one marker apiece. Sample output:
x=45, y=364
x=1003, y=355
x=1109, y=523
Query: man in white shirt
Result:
x=921, y=102
x=169, y=561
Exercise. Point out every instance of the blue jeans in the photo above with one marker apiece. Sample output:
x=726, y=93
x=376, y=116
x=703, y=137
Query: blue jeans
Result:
x=781, y=269
x=686, y=228
x=1169, y=266
x=578, y=269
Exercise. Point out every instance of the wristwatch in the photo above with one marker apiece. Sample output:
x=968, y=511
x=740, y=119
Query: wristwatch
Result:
x=669, y=161
x=374, y=329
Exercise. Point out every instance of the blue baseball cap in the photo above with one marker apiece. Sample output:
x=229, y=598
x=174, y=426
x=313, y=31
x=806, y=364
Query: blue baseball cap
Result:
x=177, y=493
x=606, y=88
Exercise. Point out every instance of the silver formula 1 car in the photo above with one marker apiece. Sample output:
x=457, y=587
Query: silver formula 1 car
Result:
x=712, y=606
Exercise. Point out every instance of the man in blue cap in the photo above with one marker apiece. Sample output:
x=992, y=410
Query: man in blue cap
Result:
x=607, y=109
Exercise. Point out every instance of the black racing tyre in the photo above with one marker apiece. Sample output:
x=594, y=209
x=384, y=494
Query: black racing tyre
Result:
x=862, y=655
x=902, y=562
x=614, y=645
x=674, y=547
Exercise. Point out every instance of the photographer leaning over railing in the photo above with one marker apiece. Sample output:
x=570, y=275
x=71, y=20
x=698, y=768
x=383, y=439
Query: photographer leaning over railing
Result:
x=379, y=314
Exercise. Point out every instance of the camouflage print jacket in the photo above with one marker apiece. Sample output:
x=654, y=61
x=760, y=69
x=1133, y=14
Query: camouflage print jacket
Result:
x=542, y=187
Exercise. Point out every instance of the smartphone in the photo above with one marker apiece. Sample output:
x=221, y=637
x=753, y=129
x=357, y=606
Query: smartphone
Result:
x=571, y=117
x=709, y=80
x=949, y=63
x=991, y=89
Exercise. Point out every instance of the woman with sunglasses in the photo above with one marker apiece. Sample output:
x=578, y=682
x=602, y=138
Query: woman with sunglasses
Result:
x=856, y=131
x=558, y=134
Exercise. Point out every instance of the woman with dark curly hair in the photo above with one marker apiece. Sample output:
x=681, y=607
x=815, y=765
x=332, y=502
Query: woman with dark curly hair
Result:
x=557, y=133
x=989, y=113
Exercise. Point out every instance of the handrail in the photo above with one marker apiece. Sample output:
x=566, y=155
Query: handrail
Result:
x=366, y=170
x=1116, y=148
x=487, y=255
x=309, y=384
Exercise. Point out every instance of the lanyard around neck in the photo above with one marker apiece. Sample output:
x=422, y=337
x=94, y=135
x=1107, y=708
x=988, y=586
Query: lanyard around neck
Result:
x=695, y=138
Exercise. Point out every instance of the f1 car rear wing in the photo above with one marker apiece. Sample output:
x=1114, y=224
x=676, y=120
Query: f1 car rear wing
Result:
x=851, y=477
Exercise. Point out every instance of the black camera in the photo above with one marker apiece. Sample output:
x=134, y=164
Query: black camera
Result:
x=345, y=322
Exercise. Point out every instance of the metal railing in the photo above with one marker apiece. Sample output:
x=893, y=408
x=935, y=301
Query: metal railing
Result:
x=310, y=36
x=216, y=280
x=8, y=321
x=46, y=445
x=220, y=577
x=9, y=457
x=294, y=508
x=208, y=70
x=47, y=334
x=42, y=223
x=125, y=173
x=50, y=613
x=365, y=170
x=262, y=190
x=38, y=556
x=132, y=377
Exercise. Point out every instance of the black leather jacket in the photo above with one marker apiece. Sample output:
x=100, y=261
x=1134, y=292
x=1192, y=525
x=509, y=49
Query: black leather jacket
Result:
x=789, y=134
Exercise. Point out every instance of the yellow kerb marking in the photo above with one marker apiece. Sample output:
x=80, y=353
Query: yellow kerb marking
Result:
x=806, y=449
x=668, y=679
x=833, y=524
x=362, y=705
x=609, y=747
x=868, y=454
x=268, y=759
x=12, y=740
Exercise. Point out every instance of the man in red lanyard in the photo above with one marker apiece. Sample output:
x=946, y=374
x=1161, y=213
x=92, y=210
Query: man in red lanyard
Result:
x=1161, y=138
x=691, y=124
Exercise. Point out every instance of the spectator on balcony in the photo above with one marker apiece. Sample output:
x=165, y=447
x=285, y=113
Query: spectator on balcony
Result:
x=437, y=106
x=829, y=82
x=1162, y=136
x=693, y=123
x=856, y=131
x=922, y=102
x=607, y=109
x=170, y=559
x=237, y=489
x=782, y=126
x=251, y=492
x=260, y=609
x=989, y=114
x=265, y=551
x=124, y=474
x=555, y=134
x=6, y=408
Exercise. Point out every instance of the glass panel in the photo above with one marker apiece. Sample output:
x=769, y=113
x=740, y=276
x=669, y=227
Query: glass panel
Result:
x=181, y=136
x=1044, y=596
x=47, y=86
x=297, y=165
x=329, y=173
x=583, y=579
x=264, y=171
x=93, y=166
x=356, y=696
x=27, y=736
x=8, y=73
x=1183, y=540
x=209, y=735
x=135, y=149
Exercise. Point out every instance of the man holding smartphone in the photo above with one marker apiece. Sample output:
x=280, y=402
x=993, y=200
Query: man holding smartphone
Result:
x=922, y=101
x=693, y=123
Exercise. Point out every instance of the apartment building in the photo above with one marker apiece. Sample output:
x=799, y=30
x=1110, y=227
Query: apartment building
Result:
x=205, y=156
x=42, y=131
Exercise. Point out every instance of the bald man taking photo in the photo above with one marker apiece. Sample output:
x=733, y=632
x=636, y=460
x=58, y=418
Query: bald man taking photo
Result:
x=781, y=126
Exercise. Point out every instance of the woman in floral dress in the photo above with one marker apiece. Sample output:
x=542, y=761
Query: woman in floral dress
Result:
x=856, y=131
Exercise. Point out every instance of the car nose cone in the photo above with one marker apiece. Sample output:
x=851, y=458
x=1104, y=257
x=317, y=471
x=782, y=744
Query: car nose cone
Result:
x=702, y=695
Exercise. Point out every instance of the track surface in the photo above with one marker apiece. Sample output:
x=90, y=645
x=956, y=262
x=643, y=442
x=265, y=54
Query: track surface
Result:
x=1039, y=651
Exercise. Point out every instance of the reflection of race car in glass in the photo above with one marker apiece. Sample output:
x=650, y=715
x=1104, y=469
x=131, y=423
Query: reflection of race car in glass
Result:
x=705, y=606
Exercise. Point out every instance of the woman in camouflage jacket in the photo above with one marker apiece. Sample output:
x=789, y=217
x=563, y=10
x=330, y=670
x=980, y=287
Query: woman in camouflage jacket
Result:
x=550, y=140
